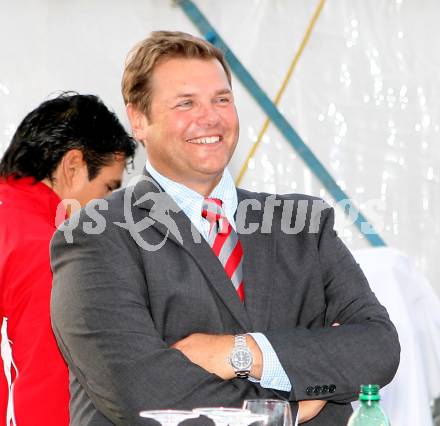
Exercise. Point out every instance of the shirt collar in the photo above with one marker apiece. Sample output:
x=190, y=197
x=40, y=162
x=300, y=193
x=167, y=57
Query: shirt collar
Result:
x=189, y=200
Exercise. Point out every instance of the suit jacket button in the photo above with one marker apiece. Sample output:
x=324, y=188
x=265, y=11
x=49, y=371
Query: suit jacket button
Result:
x=317, y=390
x=309, y=390
x=332, y=388
x=324, y=389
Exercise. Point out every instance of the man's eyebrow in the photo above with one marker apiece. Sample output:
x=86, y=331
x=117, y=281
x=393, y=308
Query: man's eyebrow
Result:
x=218, y=92
x=185, y=95
x=224, y=92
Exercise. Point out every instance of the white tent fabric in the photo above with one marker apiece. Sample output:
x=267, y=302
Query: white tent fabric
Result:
x=415, y=310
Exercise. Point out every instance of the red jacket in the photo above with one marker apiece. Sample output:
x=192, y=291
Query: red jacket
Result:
x=27, y=223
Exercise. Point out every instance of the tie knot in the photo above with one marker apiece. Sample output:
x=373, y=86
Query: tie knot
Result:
x=212, y=209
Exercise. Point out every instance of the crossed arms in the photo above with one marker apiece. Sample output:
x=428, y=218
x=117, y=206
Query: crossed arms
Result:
x=106, y=319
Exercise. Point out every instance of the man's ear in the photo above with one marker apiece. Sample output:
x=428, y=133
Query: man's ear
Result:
x=138, y=121
x=72, y=166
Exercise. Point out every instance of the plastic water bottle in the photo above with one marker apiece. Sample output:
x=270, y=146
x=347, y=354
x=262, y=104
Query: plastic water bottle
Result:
x=369, y=412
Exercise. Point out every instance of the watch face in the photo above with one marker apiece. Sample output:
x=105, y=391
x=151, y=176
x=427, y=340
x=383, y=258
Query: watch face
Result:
x=241, y=359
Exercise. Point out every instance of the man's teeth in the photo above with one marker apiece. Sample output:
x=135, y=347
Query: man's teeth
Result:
x=207, y=140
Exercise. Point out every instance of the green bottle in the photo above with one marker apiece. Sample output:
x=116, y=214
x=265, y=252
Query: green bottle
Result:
x=369, y=412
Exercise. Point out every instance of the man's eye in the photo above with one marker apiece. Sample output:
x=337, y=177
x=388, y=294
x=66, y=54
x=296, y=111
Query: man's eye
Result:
x=185, y=104
x=223, y=100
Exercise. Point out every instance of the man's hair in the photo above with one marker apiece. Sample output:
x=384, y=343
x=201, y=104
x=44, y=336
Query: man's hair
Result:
x=145, y=56
x=70, y=121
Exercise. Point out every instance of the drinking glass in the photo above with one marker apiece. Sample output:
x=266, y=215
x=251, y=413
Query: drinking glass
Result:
x=277, y=411
x=223, y=416
x=169, y=417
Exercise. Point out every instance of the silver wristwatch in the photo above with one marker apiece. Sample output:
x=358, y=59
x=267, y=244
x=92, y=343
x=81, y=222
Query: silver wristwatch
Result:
x=241, y=357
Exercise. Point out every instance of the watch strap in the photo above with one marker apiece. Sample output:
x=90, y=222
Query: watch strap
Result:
x=240, y=343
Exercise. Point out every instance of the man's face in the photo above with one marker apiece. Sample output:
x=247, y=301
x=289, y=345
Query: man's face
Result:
x=193, y=127
x=107, y=180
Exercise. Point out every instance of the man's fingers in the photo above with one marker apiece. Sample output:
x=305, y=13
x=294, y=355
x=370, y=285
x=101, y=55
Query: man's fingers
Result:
x=309, y=409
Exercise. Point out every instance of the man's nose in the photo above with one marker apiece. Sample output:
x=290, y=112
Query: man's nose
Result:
x=208, y=115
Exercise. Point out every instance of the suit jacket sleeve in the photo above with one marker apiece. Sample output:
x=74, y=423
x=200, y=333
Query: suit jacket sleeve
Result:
x=105, y=329
x=363, y=349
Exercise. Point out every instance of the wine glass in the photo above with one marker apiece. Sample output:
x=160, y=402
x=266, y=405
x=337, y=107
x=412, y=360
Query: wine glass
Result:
x=250, y=418
x=277, y=411
x=169, y=417
x=223, y=416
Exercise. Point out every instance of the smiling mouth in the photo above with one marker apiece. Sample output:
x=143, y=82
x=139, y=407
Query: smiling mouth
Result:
x=205, y=140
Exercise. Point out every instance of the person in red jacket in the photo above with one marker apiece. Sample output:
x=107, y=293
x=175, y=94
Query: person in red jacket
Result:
x=69, y=148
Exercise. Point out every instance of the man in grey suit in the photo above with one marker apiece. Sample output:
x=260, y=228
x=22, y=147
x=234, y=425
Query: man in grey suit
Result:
x=182, y=291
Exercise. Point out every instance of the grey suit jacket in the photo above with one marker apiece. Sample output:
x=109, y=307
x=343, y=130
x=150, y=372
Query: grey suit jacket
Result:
x=119, y=301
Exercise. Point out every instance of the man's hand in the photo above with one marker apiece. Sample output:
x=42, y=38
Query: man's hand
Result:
x=307, y=410
x=211, y=352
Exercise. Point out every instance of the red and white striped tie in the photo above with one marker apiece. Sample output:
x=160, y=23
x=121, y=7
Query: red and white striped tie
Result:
x=225, y=243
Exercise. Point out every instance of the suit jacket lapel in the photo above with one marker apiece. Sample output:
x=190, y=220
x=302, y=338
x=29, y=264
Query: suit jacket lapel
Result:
x=173, y=223
x=258, y=263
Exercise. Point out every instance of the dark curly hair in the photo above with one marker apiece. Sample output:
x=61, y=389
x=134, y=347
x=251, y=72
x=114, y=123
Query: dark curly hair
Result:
x=70, y=121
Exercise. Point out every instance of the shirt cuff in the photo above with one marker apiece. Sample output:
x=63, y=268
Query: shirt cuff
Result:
x=273, y=375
